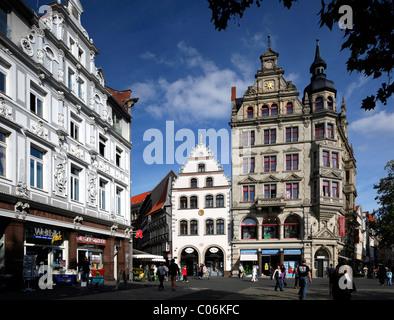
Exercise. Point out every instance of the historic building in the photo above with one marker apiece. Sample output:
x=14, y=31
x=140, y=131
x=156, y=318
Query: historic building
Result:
x=293, y=172
x=64, y=146
x=201, y=220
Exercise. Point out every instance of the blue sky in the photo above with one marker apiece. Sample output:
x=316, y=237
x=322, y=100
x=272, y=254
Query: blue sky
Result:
x=182, y=70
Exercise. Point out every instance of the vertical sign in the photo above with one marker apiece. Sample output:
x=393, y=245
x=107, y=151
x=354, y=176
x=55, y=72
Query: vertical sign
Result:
x=341, y=226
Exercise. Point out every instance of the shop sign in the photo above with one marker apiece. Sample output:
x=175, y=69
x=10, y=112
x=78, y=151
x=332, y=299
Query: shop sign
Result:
x=270, y=252
x=189, y=250
x=293, y=252
x=47, y=234
x=90, y=240
x=248, y=251
x=213, y=250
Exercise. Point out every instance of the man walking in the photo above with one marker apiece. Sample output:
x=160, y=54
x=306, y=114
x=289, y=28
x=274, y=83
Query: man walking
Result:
x=304, y=274
x=174, y=271
x=161, y=272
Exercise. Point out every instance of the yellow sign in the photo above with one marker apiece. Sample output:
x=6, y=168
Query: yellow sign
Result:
x=57, y=237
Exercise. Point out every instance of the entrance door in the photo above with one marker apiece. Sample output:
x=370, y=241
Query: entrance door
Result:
x=321, y=262
x=214, y=261
x=189, y=257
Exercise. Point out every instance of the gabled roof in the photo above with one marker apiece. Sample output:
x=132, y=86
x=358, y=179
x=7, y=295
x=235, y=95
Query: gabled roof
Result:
x=139, y=198
x=160, y=202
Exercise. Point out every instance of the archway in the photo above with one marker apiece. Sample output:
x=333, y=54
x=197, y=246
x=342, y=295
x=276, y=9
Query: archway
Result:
x=321, y=262
x=190, y=258
x=214, y=261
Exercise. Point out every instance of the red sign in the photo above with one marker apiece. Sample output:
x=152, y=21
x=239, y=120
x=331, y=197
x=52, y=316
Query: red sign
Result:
x=341, y=226
x=138, y=234
x=89, y=240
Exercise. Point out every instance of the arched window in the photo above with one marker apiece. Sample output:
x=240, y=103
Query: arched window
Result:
x=264, y=111
x=270, y=228
x=209, y=182
x=193, y=202
x=219, y=226
x=201, y=167
x=209, y=226
x=49, y=58
x=183, y=203
x=193, y=183
x=250, y=112
x=193, y=227
x=209, y=201
x=274, y=110
x=183, y=228
x=292, y=227
x=219, y=201
x=330, y=103
x=249, y=229
x=289, y=108
x=319, y=103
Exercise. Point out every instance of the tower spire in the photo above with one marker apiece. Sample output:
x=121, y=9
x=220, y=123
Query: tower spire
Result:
x=269, y=41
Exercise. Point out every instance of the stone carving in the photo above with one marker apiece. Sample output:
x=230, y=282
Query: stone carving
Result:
x=4, y=111
x=60, y=177
x=38, y=129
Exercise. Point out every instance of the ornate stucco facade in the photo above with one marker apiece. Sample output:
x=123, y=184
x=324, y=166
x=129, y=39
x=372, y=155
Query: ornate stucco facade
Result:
x=293, y=171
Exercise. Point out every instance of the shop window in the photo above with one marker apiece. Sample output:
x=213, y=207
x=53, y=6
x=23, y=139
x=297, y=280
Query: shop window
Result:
x=292, y=227
x=249, y=229
x=270, y=228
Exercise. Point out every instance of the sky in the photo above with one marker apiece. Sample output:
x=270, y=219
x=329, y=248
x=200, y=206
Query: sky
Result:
x=181, y=68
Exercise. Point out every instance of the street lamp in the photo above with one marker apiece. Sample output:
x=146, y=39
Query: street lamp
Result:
x=130, y=233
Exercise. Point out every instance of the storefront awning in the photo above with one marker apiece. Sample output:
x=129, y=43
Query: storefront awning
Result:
x=148, y=257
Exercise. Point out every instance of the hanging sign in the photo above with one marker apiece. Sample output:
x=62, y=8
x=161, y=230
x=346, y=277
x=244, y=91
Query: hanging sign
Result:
x=341, y=226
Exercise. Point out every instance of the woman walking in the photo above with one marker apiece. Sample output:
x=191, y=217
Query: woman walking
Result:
x=278, y=277
x=254, y=274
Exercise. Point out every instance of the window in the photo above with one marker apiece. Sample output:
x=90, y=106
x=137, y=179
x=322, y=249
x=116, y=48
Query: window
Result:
x=289, y=108
x=269, y=163
x=3, y=153
x=117, y=122
x=194, y=227
x=35, y=104
x=270, y=136
x=270, y=228
x=326, y=159
x=334, y=160
x=74, y=185
x=36, y=168
x=102, y=188
x=250, y=112
x=209, y=226
x=270, y=191
x=119, y=200
x=249, y=229
x=50, y=57
x=265, y=111
x=335, y=190
x=70, y=80
x=248, y=193
x=193, y=183
x=209, y=201
x=219, y=201
x=330, y=131
x=209, y=182
x=274, y=110
x=292, y=227
x=81, y=56
x=291, y=162
x=319, y=103
x=292, y=191
x=4, y=28
x=201, y=167
x=2, y=81
x=118, y=157
x=102, y=143
x=292, y=134
x=248, y=165
x=219, y=226
x=74, y=130
x=330, y=103
x=326, y=188
x=248, y=138
x=193, y=202
x=319, y=131
x=183, y=203
x=183, y=228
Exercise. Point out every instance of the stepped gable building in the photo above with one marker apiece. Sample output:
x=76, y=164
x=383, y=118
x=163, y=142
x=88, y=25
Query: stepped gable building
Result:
x=201, y=222
x=293, y=172
x=64, y=146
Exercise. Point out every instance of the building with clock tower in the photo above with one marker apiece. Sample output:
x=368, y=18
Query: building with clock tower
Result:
x=293, y=172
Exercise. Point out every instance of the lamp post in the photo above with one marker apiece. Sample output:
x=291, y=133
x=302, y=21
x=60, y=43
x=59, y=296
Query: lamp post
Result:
x=130, y=233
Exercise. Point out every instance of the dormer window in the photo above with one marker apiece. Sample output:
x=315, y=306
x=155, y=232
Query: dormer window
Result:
x=201, y=167
x=250, y=112
x=289, y=108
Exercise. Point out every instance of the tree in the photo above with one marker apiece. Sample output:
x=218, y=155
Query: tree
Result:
x=370, y=39
x=384, y=216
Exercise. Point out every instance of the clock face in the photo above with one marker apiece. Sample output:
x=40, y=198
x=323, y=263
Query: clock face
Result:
x=269, y=85
x=201, y=212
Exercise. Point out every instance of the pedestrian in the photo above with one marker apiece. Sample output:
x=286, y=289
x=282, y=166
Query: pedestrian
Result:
x=205, y=271
x=241, y=271
x=254, y=274
x=342, y=285
x=85, y=267
x=200, y=272
x=174, y=271
x=184, y=272
x=365, y=272
x=382, y=274
x=277, y=275
x=284, y=275
x=304, y=274
x=329, y=273
x=389, y=276
x=161, y=270
x=296, y=276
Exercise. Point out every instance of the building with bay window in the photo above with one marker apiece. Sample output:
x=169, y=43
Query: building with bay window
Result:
x=293, y=172
x=64, y=146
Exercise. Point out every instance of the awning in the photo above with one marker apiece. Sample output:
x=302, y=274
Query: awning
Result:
x=248, y=257
x=149, y=257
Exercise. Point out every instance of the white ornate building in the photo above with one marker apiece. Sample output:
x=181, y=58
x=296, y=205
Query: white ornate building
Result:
x=201, y=220
x=65, y=145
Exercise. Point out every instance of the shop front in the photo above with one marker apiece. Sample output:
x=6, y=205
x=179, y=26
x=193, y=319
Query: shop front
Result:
x=190, y=258
x=214, y=261
x=248, y=259
x=291, y=257
x=269, y=260
x=91, y=247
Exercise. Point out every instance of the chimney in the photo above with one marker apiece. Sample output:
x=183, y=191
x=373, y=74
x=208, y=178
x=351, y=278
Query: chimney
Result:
x=233, y=93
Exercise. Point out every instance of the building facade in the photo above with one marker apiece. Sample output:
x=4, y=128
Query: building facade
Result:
x=65, y=146
x=201, y=220
x=293, y=172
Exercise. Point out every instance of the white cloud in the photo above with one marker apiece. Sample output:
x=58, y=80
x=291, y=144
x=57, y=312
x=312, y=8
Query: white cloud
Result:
x=376, y=124
x=355, y=85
